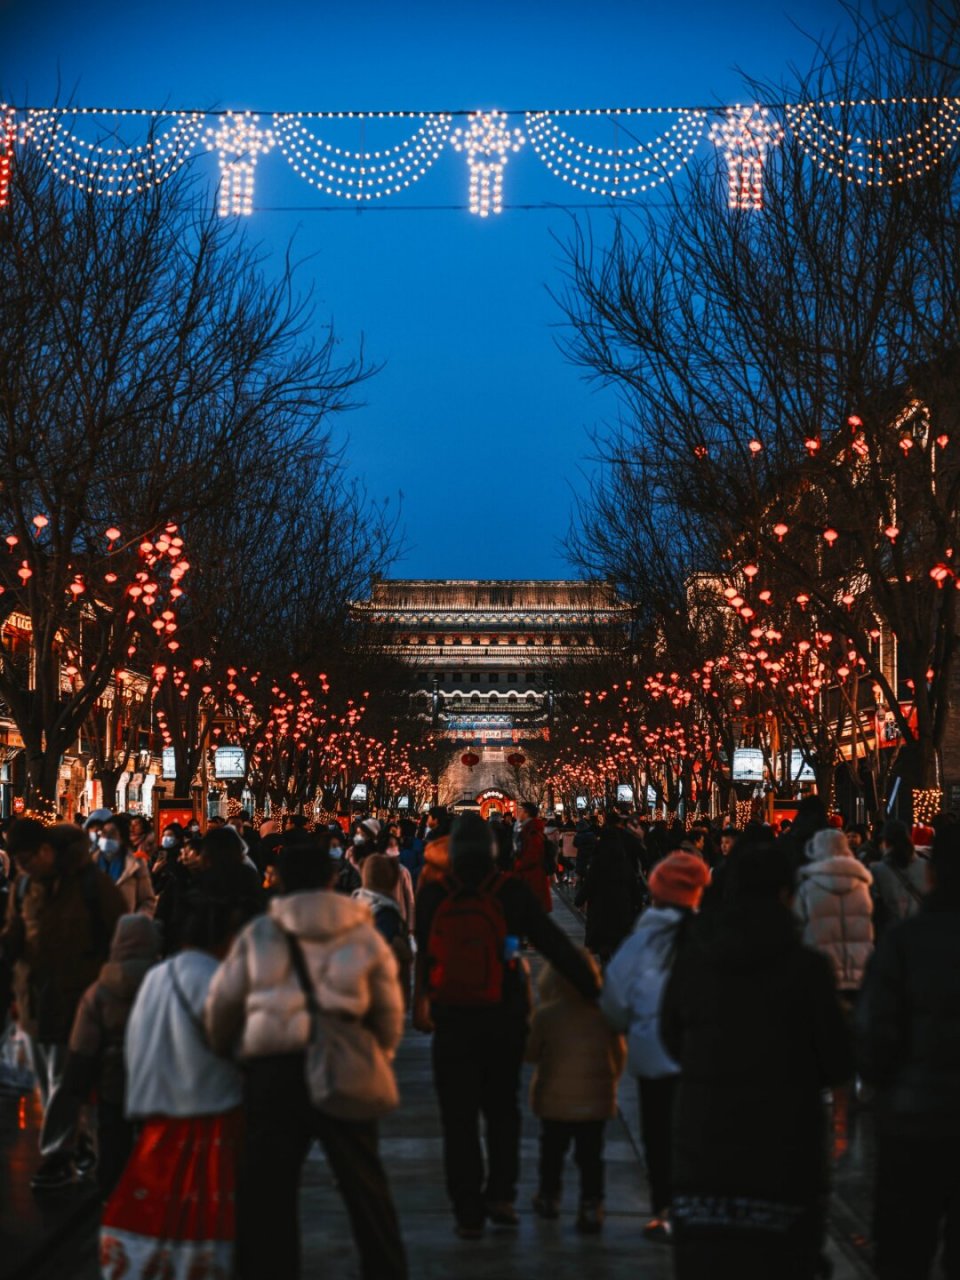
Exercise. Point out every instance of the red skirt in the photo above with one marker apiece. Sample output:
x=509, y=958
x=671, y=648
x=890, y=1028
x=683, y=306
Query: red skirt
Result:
x=172, y=1214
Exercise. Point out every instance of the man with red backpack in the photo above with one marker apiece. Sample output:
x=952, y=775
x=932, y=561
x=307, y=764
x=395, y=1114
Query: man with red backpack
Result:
x=472, y=992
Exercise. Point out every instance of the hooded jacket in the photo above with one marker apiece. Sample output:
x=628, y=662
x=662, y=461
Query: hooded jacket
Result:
x=835, y=908
x=98, y=1028
x=633, y=989
x=256, y=1006
x=58, y=932
x=578, y=1058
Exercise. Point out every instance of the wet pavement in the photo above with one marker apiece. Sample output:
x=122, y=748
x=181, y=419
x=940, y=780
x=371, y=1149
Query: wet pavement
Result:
x=56, y=1239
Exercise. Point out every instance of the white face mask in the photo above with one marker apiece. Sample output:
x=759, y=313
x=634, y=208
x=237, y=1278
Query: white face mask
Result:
x=336, y=851
x=169, y=842
x=109, y=848
x=359, y=839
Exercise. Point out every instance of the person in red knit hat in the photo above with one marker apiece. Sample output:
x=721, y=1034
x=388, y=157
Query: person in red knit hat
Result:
x=632, y=994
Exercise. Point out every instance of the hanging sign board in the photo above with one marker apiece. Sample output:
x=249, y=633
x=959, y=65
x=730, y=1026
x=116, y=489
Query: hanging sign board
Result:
x=747, y=765
x=229, y=763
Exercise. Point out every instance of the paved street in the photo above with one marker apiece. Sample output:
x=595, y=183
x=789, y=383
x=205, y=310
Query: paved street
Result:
x=412, y=1152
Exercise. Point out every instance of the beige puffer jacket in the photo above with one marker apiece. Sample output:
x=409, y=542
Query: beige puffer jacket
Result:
x=255, y=1005
x=578, y=1057
x=835, y=907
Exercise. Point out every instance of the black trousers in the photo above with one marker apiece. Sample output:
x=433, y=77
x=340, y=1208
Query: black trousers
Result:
x=281, y=1124
x=587, y=1138
x=476, y=1071
x=114, y=1143
x=656, y=1119
x=917, y=1197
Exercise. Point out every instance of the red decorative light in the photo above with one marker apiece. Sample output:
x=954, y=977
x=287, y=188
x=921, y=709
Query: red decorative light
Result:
x=830, y=536
x=516, y=759
x=470, y=759
x=780, y=530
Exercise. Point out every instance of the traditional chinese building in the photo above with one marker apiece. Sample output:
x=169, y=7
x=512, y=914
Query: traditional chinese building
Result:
x=482, y=655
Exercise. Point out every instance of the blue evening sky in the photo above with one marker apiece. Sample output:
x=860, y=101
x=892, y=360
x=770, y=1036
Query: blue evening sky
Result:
x=476, y=418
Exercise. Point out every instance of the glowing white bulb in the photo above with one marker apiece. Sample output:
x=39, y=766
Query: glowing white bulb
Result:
x=487, y=143
x=360, y=175
x=111, y=171
x=615, y=172
x=875, y=161
x=239, y=143
x=745, y=135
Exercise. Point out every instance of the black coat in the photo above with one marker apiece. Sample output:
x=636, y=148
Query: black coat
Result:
x=753, y=1019
x=908, y=1025
x=611, y=893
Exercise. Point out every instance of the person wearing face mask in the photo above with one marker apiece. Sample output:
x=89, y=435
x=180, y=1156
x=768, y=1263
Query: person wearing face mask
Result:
x=128, y=872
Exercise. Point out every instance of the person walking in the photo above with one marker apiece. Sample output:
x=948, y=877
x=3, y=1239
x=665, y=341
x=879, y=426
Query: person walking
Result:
x=95, y=1058
x=632, y=995
x=172, y=1212
x=611, y=893
x=472, y=993
x=532, y=855
x=901, y=877
x=835, y=908
x=908, y=1042
x=129, y=873
x=60, y=921
x=257, y=1008
x=752, y=1017
x=578, y=1062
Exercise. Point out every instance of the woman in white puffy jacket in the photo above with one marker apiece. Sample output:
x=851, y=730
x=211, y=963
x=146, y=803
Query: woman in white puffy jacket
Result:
x=257, y=1009
x=835, y=907
x=632, y=994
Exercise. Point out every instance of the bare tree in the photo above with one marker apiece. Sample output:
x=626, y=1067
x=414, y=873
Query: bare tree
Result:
x=789, y=384
x=143, y=348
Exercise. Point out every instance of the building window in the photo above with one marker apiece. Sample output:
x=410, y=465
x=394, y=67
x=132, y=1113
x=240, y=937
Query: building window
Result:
x=474, y=697
x=493, y=699
x=456, y=677
x=511, y=677
x=494, y=677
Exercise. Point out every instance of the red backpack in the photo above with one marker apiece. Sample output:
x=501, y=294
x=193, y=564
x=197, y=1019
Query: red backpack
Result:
x=465, y=959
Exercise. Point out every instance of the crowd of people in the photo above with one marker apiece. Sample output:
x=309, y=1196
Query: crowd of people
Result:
x=202, y=1008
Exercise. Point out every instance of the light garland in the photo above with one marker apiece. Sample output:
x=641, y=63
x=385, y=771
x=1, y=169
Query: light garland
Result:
x=875, y=162
x=112, y=171
x=619, y=171
x=239, y=143
x=927, y=803
x=487, y=143
x=745, y=136
x=360, y=175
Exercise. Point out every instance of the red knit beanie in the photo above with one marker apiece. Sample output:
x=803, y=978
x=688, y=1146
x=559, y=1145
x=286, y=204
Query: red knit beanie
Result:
x=680, y=880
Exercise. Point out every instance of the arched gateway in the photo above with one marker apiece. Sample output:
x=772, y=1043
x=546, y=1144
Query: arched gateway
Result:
x=482, y=655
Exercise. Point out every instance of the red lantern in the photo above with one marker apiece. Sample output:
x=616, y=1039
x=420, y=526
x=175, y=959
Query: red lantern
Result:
x=516, y=759
x=470, y=758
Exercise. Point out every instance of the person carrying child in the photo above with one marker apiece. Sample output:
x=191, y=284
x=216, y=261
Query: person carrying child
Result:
x=579, y=1060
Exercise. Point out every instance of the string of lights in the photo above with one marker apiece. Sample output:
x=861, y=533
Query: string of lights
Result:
x=745, y=137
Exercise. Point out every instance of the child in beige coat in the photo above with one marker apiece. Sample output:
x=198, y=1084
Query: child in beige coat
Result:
x=574, y=1092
